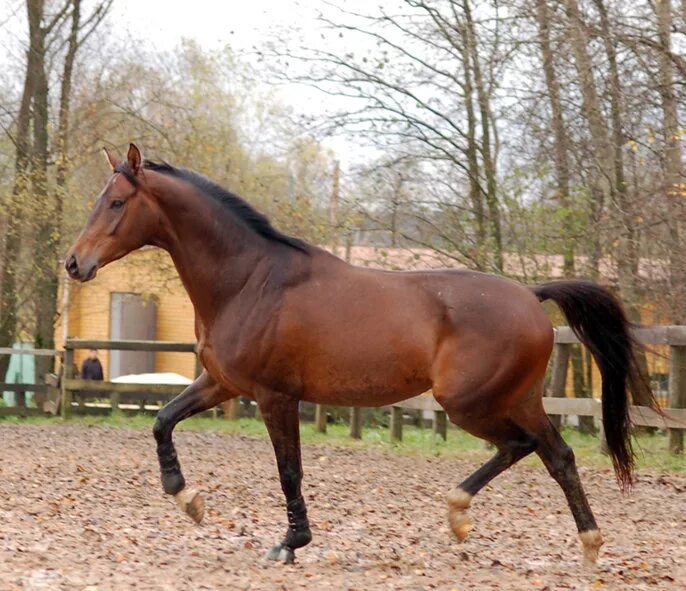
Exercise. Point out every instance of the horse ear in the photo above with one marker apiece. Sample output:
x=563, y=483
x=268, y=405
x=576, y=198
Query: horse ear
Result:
x=111, y=158
x=135, y=159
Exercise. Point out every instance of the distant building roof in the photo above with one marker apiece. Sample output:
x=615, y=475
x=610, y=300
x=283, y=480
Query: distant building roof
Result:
x=524, y=267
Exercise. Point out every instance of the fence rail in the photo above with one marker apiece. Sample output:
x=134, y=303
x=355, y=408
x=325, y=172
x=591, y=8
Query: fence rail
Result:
x=85, y=396
x=648, y=335
x=130, y=345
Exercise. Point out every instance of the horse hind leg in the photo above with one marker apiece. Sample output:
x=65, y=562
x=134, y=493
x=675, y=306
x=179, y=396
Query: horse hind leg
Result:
x=558, y=458
x=516, y=438
x=479, y=394
x=513, y=443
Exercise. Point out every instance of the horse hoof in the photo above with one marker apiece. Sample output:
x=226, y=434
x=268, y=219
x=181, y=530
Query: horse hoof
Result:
x=281, y=553
x=591, y=541
x=460, y=523
x=191, y=502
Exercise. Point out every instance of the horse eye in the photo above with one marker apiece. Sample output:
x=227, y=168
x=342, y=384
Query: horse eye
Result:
x=117, y=204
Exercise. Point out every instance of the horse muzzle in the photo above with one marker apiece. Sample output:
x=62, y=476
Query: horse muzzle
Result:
x=80, y=270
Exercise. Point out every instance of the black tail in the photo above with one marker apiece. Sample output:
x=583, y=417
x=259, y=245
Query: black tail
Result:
x=598, y=319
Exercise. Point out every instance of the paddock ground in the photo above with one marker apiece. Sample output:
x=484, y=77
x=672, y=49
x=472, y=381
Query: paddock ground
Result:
x=82, y=509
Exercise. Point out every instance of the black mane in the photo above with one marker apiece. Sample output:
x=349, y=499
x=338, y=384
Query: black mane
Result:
x=252, y=218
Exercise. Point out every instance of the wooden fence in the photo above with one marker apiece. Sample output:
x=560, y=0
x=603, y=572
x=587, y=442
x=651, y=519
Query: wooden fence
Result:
x=76, y=393
x=673, y=337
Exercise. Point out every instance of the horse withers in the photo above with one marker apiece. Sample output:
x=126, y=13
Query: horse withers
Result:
x=279, y=321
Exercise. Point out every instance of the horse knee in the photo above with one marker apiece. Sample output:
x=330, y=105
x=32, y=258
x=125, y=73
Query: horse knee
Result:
x=516, y=449
x=528, y=444
x=163, y=426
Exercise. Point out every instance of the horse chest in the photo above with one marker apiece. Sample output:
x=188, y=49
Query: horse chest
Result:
x=225, y=363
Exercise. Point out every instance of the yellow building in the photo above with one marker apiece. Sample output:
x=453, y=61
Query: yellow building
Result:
x=147, y=275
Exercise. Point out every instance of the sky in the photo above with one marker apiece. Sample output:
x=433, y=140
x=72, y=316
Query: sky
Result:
x=161, y=24
x=212, y=23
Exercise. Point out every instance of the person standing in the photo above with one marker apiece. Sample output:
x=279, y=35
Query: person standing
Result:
x=92, y=368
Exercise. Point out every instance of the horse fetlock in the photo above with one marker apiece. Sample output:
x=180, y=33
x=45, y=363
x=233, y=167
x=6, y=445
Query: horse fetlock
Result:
x=297, y=538
x=173, y=482
x=591, y=540
x=190, y=501
x=458, y=503
x=459, y=499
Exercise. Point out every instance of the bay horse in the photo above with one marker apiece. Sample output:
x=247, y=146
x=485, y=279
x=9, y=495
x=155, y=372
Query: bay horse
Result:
x=279, y=321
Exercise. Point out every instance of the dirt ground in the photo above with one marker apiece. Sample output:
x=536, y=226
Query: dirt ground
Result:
x=82, y=508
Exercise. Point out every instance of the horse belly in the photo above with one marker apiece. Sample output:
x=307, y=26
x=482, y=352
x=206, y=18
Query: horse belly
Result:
x=375, y=369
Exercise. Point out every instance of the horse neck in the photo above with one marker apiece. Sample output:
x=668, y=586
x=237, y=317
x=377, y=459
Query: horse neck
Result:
x=214, y=253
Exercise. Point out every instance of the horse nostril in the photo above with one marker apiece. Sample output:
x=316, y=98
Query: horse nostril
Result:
x=72, y=267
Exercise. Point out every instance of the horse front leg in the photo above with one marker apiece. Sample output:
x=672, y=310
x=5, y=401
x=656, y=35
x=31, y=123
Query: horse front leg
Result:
x=203, y=394
x=280, y=415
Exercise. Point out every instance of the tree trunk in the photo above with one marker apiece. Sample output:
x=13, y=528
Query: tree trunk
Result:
x=475, y=192
x=20, y=192
x=65, y=96
x=627, y=251
x=590, y=100
x=672, y=159
x=47, y=234
x=560, y=135
x=602, y=183
x=486, y=155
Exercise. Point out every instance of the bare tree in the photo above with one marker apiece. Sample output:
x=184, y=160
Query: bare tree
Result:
x=423, y=78
x=673, y=182
x=561, y=144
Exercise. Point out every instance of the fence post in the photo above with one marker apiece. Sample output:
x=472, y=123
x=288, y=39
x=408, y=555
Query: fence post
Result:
x=558, y=379
x=320, y=418
x=67, y=373
x=21, y=404
x=356, y=422
x=441, y=424
x=396, y=423
x=231, y=409
x=115, y=397
x=677, y=394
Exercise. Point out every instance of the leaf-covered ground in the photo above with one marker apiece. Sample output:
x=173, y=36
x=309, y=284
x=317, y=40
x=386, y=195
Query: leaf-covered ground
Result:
x=82, y=508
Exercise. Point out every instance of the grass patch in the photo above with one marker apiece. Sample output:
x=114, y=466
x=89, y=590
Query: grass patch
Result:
x=652, y=449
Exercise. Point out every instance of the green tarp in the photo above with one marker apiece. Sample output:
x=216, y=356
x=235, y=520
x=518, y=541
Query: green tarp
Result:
x=21, y=370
